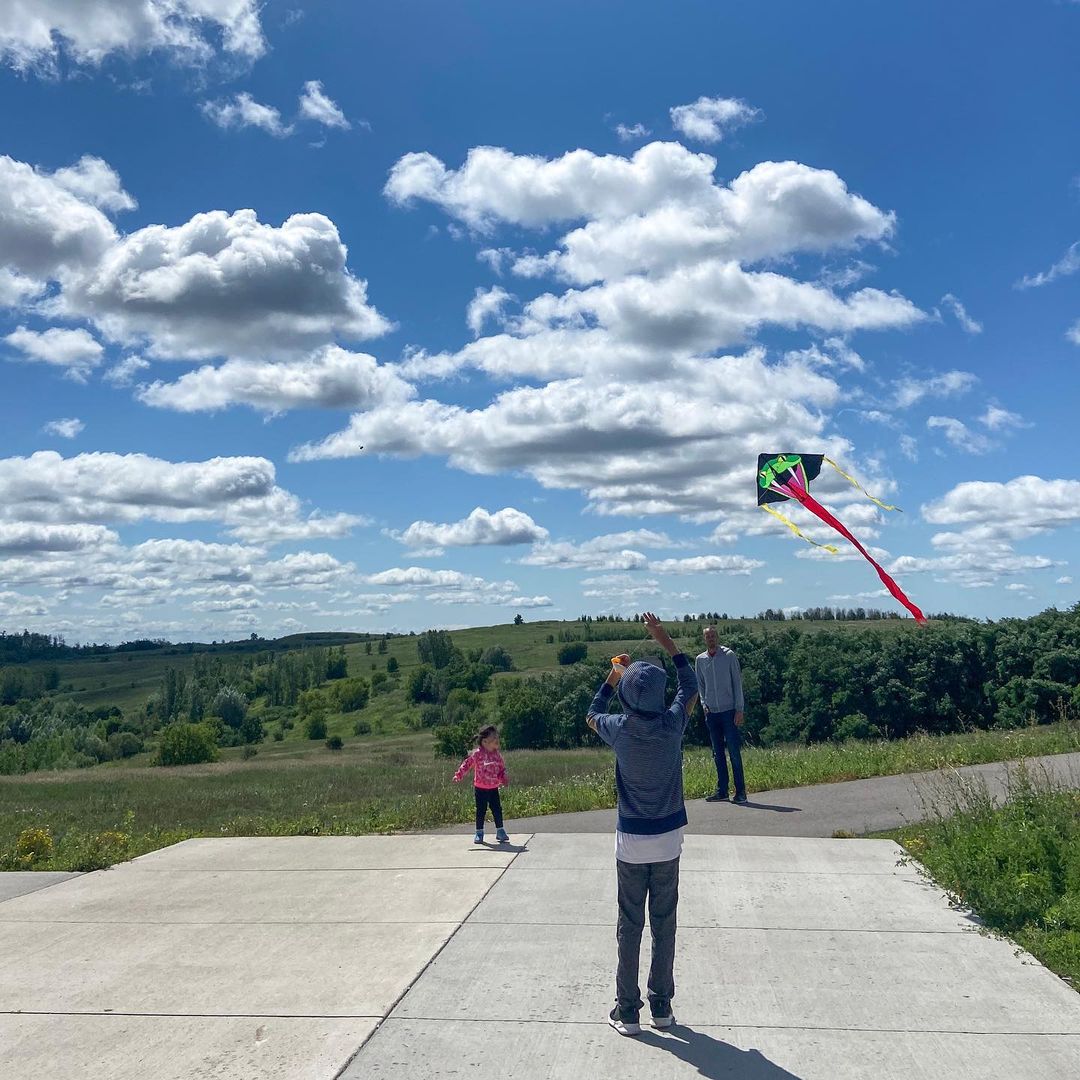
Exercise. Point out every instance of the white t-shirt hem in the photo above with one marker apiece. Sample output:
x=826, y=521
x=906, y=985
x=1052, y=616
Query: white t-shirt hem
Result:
x=649, y=848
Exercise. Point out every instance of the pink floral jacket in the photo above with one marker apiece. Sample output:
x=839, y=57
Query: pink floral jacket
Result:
x=490, y=769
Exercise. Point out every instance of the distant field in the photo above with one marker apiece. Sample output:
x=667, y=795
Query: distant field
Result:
x=126, y=680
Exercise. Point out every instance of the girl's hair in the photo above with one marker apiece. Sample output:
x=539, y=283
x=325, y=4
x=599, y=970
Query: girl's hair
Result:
x=486, y=733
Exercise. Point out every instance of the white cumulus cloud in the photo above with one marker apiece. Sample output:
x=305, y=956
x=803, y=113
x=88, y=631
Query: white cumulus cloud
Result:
x=332, y=378
x=967, y=323
x=243, y=111
x=481, y=527
x=1024, y=506
x=707, y=564
x=960, y=435
x=315, y=105
x=20, y=538
x=124, y=372
x=1068, y=264
x=75, y=351
x=486, y=304
x=65, y=428
x=910, y=391
x=227, y=284
x=629, y=132
x=998, y=419
x=611, y=551
x=52, y=222
x=34, y=33
x=711, y=119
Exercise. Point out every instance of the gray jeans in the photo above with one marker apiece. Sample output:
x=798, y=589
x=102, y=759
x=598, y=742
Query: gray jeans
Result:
x=659, y=882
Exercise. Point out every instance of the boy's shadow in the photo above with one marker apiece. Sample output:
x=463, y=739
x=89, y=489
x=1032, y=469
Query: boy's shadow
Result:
x=485, y=846
x=714, y=1058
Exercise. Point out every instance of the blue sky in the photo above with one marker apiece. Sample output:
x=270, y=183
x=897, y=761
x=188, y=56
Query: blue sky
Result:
x=562, y=271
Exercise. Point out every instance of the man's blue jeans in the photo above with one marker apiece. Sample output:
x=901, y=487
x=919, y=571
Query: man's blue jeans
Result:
x=723, y=732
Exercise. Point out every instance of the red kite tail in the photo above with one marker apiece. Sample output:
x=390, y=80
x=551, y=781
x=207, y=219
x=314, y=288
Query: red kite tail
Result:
x=818, y=510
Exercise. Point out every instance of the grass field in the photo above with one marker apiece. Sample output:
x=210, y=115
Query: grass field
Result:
x=1017, y=866
x=394, y=783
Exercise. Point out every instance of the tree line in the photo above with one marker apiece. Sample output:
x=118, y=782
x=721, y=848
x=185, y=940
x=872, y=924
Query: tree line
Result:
x=804, y=687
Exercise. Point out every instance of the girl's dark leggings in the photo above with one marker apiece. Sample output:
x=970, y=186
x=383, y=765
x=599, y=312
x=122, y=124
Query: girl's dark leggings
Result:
x=484, y=798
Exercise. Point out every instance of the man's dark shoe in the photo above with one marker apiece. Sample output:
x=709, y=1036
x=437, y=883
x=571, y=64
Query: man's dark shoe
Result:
x=740, y=799
x=662, y=1016
x=717, y=796
x=625, y=1021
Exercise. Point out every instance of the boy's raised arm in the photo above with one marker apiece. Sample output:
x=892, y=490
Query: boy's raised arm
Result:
x=657, y=632
x=688, y=684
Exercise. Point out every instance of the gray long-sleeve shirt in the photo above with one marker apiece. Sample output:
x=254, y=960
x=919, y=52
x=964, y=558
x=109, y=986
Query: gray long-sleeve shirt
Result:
x=719, y=681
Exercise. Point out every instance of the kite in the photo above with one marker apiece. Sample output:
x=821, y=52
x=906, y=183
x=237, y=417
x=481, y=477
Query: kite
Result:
x=788, y=476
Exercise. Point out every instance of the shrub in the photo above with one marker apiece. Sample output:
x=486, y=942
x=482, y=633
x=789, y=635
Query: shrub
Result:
x=1029, y=700
x=392, y=664
x=279, y=736
x=430, y=715
x=525, y=711
x=231, y=705
x=311, y=701
x=334, y=742
x=422, y=684
x=315, y=726
x=436, y=647
x=248, y=752
x=498, y=658
x=855, y=726
x=362, y=727
x=123, y=744
x=455, y=740
x=33, y=846
x=337, y=663
x=351, y=695
x=573, y=652
x=251, y=728
x=99, y=851
x=186, y=744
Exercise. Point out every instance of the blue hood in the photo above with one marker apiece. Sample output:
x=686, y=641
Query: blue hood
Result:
x=642, y=688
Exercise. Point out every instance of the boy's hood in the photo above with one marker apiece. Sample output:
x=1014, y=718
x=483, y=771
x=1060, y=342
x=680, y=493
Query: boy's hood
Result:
x=642, y=688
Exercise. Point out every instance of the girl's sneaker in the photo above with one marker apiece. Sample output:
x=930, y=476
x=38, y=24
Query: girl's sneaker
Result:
x=500, y=835
x=478, y=838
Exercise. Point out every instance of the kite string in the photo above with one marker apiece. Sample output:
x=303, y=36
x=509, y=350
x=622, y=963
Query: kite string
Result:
x=855, y=483
x=796, y=530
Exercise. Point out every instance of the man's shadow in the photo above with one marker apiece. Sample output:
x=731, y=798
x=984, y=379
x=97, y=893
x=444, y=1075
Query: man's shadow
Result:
x=496, y=847
x=770, y=806
x=714, y=1058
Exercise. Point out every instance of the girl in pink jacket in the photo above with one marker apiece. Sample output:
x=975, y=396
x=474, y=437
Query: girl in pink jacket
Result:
x=489, y=774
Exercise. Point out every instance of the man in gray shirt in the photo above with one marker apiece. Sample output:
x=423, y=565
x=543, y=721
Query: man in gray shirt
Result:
x=719, y=682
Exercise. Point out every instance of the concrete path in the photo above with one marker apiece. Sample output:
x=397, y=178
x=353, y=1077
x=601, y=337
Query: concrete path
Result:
x=20, y=882
x=858, y=806
x=342, y=958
